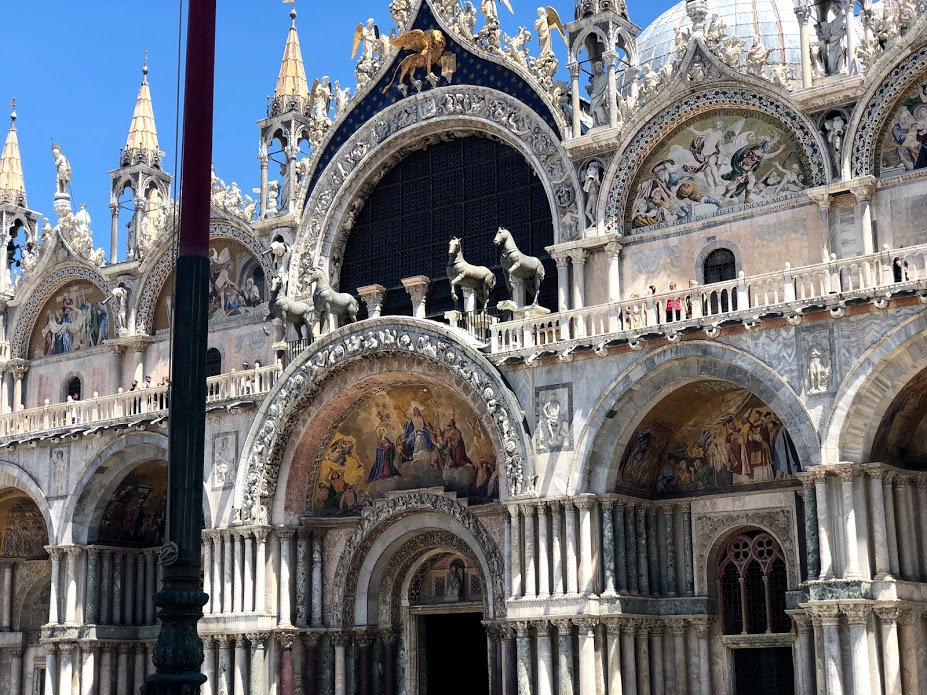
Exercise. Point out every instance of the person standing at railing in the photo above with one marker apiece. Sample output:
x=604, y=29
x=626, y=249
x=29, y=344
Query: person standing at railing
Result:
x=900, y=269
x=673, y=306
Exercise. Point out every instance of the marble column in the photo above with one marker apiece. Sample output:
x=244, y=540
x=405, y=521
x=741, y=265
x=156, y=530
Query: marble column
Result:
x=141, y=598
x=128, y=582
x=543, y=552
x=803, y=654
x=608, y=545
x=118, y=587
x=51, y=669
x=364, y=659
x=16, y=670
x=847, y=476
x=803, y=13
x=563, y=292
x=669, y=517
x=248, y=538
x=241, y=664
x=628, y=664
x=578, y=259
x=139, y=667
x=215, y=571
x=6, y=594
x=417, y=287
x=657, y=684
x=260, y=568
x=151, y=585
x=105, y=593
x=556, y=549
x=921, y=483
x=106, y=669
x=613, y=655
x=908, y=625
x=702, y=630
x=586, y=504
x=228, y=577
x=891, y=664
x=531, y=589
x=857, y=617
x=810, y=508
x=316, y=598
x=545, y=654
x=586, y=644
x=577, y=127
x=824, y=543
x=66, y=668
x=689, y=578
x=209, y=665
x=257, y=640
x=564, y=656
x=643, y=562
x=515, y=550
x=630, y=534
x=510, y=659
x=238, y=589
x=621, y=561
x=88, y=682
x=890, y=525
x=372, y=296
x=207, y=571
x=285, y=639
x=643, y=659
x=70, y=610
x=285, y=533
x=523, y=649
x=904, y=517
x=833, y=670
x=340, y=640
x=122, y=668
x=224, y=677
x=879, y=526
x=389, y=661
x=653, y=558
x=678, y=628
x=302, y=576
x=571, y=556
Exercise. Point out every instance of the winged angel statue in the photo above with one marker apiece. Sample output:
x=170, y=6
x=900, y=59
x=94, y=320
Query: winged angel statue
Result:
x=428, y=47
x=547, y=20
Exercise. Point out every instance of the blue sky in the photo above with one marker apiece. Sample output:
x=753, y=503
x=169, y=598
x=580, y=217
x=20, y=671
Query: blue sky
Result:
x=75, y=80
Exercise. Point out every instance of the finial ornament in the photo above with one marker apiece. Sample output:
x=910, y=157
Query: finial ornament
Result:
x=145, y=66
x=13, y=109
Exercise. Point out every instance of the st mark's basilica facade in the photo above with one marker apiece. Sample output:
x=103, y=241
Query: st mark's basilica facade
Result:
x=666, y=432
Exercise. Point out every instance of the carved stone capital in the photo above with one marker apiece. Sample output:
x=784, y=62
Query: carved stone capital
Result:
x=373, y=296
x=311, y=637
x=678, y=627
x=257, y=639
x=224, y=641
x=260, y=533
x=529, y=509
x=887, y=614
x=286, y=640
x=847, y=475
x=417, y=287
x=18, y=367
x=364, y=636
x=340, y=638
x=586, y=624
x=612, y=624
x=584, y=502
x=921, y=482
x=573, y=69
x=542, y=627
x=610, y=59
x=878, y=473
x=907, y=617
x=241, y=642
x=284, y=532
x=613, y=250
x=701, y=626
x=828, y=615
x=578, y=257
x=857, y=614
x=561, y=259
x=863, y=188
x=564, y=626
x=820, y=196
x=391, y=635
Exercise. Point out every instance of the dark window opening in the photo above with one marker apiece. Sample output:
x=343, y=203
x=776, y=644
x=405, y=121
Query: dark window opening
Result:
x=213, y=362
x=721, y=266
x=74, y=388
x=464, y=188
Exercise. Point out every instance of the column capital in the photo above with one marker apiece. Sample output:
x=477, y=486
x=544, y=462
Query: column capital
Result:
x=240, y=641
x=802, y=12
x=900, y=481
x=609, y=58
x=857, y=614
x=907, y=616
x=284, y=532
x=585, y=501
x=390, y=635
x=586, y=624
x=612, y=624
x=416, y=286
x=629, y=627
x=507, y=630
x=560, y=259
x=122, y=648
x=18, y=367
x=802, y=621
x=818, y=474
x=286, y=639
x=542, y=627
x=364, y=636
x=828, y=615
x=224, y=640
x=878, y=473
x=260, y=533
x=529, y=509
x=563, y=625
x=613, y=249
x=921, y=482
x=607, y=502
x=678, y=627
x=521, y=627
x=16, y=652
x=512, y=508
x=701, y=626
x=311, y=637
x=847, y=475
x=887, y=614
x=340, y=638
x=578, y=257
x=257, y=639
x=573, y=69
x=862, y=188
x=72, y=551
x=107, y=647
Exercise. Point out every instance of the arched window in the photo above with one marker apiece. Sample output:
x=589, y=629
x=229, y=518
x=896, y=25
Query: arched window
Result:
x=213, y=362
x=751, y=583
x=721, y=266
x=73, y=388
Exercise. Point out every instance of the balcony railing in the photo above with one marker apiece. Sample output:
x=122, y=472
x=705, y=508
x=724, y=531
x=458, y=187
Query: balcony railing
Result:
x=788, y=292
x=141, y=404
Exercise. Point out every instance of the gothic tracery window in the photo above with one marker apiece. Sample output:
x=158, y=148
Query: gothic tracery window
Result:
x=751, y=583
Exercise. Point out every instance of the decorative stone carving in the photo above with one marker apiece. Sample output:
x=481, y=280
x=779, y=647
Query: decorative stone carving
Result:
x=261, y=457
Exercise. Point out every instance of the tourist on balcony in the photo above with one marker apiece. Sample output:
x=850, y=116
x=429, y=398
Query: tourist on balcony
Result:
x=134, y=386
x=900, y=269
x=673, y=306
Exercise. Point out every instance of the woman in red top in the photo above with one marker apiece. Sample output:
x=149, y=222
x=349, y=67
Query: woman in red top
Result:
x=673, y=306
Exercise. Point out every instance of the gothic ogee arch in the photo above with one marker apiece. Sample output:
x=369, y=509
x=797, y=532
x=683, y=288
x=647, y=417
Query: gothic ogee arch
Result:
x=457, y=110
x=262, y=456
x=627, y=401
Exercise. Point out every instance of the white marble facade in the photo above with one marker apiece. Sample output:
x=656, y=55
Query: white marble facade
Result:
x=685, y=475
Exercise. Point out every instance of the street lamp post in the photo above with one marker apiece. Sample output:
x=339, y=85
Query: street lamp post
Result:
x=178, y=654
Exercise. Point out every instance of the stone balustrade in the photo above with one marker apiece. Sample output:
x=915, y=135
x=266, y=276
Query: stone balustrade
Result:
x=747, y=299
x=140, y=403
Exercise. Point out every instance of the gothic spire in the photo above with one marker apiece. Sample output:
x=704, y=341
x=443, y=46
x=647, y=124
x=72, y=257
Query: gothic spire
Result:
x=12, y=185
x=142, y=143
x=292, y=92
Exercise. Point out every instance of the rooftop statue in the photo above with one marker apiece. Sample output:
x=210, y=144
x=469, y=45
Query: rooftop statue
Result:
x=548, y=20
x=428, y=47
x=491, y=10
x=62, y=169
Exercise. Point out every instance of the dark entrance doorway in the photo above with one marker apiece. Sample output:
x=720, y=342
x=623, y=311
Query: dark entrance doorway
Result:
x=455, y=654
x=764, y=671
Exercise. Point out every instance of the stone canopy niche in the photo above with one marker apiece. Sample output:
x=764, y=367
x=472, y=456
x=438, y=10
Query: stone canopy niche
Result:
x=707, y=436
x=398, y=437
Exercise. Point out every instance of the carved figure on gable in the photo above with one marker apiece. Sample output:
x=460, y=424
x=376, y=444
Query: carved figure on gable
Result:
x=818, y=373
x=367, y=37
x=491, y=10
x=757, y=56
x=428, y=47
x=120, y=295
x=516, y=264
x=548, y=20
x=83, y=218
x=62, y=169
x=598, y=94
x=592, y=182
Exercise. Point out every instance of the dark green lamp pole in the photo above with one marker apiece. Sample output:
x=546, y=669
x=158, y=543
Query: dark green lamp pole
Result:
x=178, y=654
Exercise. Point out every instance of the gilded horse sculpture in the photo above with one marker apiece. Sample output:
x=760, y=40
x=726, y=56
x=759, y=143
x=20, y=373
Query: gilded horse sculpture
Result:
x=516, y=264
x=478, y=278
x=329, y=302
x=298, y=314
